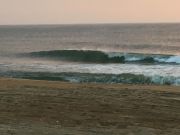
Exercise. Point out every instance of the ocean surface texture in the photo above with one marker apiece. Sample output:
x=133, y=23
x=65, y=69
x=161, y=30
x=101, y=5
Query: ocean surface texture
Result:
x=109, y=53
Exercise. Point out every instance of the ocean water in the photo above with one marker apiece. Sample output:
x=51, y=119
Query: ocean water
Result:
x=102, y=53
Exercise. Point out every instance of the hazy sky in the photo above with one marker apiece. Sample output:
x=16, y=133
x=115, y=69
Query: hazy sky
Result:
x=88, y=11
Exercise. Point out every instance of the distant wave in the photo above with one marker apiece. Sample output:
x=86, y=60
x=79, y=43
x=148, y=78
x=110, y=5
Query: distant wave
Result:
x=125, y=78
x=90, y=56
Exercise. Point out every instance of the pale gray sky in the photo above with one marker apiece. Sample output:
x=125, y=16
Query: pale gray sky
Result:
x=88, y=11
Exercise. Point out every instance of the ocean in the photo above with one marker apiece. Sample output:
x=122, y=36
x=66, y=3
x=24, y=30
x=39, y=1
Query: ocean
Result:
x=96, y=53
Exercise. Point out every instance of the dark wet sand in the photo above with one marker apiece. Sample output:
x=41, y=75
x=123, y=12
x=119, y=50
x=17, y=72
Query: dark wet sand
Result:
x=30, y=107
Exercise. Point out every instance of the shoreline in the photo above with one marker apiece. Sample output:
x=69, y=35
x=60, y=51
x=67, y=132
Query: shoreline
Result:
x=53, y=107
x=170, y=88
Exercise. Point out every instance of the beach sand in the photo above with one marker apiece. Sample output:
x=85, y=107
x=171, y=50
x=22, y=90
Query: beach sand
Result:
x=29, y=107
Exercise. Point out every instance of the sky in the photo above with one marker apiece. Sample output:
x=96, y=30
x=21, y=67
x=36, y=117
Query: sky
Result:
x=88, y=11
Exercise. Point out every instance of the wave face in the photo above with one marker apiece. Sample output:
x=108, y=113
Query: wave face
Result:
x=89, y=56
x=78, y=56
x=125, y=78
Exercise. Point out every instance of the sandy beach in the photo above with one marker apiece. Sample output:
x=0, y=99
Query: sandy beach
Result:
x=29, y=107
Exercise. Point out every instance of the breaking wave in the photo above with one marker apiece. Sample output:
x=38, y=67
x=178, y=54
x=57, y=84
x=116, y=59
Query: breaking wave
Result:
x=89, y=56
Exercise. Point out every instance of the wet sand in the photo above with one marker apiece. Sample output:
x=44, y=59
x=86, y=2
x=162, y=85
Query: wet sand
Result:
x=29, y=107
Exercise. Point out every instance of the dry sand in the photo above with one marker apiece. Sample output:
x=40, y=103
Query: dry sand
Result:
x=30, y=107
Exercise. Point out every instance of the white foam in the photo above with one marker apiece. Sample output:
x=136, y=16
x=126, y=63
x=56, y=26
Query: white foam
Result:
x=175, y=59
x=160, y=74
x=136, y=57
x=133, y=58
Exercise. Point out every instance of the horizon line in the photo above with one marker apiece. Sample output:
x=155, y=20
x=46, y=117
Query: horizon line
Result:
x=96, y=23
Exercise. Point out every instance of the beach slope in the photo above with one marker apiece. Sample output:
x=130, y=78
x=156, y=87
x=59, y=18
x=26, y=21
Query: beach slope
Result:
x=56, y=108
